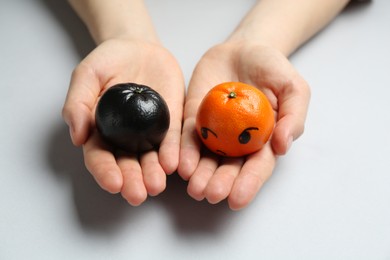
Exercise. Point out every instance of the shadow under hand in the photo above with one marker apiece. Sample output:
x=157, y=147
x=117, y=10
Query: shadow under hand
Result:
x=97, y=209
x=355, y=6
x=191, y=216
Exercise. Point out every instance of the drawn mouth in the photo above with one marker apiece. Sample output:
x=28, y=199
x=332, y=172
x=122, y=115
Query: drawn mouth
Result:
x=221, y=152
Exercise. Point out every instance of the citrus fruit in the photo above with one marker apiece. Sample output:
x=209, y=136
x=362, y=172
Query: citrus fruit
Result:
x=234, y=119
x=132, y=117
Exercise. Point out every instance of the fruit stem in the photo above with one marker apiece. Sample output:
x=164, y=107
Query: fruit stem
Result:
x=232, y=94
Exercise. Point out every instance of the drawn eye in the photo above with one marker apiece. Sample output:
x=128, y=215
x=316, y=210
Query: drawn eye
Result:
x=205, y=132
x=245, y=136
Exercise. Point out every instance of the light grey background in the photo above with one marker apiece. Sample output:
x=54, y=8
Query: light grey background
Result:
x=329, y=198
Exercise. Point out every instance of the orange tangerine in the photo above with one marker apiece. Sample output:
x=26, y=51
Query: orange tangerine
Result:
x=235, y=119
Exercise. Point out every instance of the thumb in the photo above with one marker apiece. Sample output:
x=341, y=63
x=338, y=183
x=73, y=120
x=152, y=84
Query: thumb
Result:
x=79, y=105
x=293, y=106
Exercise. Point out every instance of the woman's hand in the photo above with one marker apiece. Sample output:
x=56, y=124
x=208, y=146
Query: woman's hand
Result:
x=239, y=179
x=118, y=61
x=255, y=53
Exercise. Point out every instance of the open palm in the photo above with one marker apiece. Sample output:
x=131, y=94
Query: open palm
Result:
x=239, y=179
x=119, y=61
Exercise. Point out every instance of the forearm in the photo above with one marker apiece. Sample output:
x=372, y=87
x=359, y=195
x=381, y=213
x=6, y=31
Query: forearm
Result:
x=286, y=24
x=107, y=19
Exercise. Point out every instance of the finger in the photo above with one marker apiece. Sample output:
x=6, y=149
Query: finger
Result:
x=221, y=183
x=101, y=163
x=293, y=106
x=169, y=150
x=133, y=189
x=170, y=146
x=153, y=174
x=190, y=144
x=256, y=170
x=189, y=150
x=83, y=92
x=201, y=176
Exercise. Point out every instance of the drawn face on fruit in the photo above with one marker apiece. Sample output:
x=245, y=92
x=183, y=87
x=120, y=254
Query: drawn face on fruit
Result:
x=234, y=119
x=230, y=140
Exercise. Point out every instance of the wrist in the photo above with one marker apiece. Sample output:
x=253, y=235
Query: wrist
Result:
x=247, y=37
x=124, y=33
x=286, y=24
x=114, y=19
x=256, y=29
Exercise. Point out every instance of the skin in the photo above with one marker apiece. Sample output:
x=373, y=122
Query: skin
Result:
x=255, y=53
x=123, y=54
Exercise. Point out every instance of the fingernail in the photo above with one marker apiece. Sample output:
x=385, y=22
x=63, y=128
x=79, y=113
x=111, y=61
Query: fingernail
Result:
x=71, y=131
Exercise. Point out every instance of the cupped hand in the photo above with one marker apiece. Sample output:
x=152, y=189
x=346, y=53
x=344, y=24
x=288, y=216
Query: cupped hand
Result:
x=119, y=61
x=239, y=179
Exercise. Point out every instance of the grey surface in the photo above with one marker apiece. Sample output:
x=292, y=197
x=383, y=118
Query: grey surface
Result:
x=329, y=198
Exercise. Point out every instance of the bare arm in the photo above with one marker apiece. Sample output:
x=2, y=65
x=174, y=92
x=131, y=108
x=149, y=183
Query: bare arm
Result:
x=115, y=19
x=286, y=24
